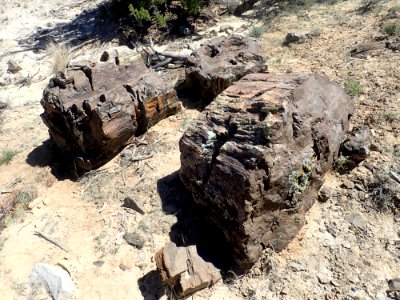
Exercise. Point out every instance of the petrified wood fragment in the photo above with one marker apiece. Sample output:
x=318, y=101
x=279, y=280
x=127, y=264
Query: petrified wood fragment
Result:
x=94, y=109
x=184, y=271
x=256, y=157
x=220, y=62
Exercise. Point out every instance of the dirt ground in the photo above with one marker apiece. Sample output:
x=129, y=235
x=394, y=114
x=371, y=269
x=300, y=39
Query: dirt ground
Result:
x=348, y=248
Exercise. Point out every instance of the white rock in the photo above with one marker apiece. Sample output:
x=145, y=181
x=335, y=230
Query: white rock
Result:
x=56, y=281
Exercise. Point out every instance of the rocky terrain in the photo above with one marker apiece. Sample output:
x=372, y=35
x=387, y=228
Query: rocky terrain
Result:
x=110, y=222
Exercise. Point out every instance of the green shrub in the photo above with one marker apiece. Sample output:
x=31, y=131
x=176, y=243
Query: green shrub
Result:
x=193, y=6
x=392, y=29
x=257, y=31
x=7, y=156
x=353, y=87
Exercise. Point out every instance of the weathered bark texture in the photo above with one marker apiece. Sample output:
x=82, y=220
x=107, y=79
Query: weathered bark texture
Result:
x=219, y=63
x=184, y=271
x=93, y=111
x=257, y=155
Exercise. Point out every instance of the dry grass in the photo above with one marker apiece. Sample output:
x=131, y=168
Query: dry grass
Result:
x=60, y=54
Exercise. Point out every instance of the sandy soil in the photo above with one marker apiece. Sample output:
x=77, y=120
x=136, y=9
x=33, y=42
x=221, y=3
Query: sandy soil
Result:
x=86, y=216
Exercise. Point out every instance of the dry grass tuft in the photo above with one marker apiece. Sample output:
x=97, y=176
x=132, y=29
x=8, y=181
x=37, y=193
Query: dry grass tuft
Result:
x=60, y=54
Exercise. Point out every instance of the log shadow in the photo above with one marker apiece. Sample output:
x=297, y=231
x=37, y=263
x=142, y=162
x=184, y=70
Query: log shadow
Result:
x=192, y=228
x=47, y=154
x=150, y=286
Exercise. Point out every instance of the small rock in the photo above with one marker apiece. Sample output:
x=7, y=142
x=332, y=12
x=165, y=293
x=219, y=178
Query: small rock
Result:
x=98, y=263
x=13, y=67
x=226, y=28
x=323, y=279
x=285, y=291
x=134, y=239
x=184, y=270
x=56, y=280
x=356, y=220
x=324, y=194
x=348, y=184
x=394, y=284
x=297, y=266
x=357, y=146
x=296, y=37
x=3, y=105
x=336, y=283
x=130, y=203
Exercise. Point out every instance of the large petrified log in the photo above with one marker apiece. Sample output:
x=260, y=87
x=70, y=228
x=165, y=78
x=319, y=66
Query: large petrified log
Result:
x=220, y=62
x=94, y=110
x=257, y=155
x=184, y=271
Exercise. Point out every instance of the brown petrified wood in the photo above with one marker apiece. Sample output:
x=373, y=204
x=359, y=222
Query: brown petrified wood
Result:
x=184, y=271
x=95, y=108
x=256, y=157
x=220, y=62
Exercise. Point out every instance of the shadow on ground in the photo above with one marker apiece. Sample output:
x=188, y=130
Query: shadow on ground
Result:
x=47, y=154
x=150, y=286
x=90, y=25
x=191, y=227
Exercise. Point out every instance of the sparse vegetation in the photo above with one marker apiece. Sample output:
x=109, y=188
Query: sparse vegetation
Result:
x=353, y=87
x=60, y=54
x=392, y=29
x=7, y=156
x=257, y=31
x=384, y=192
x=343, y=164
x=298, y=180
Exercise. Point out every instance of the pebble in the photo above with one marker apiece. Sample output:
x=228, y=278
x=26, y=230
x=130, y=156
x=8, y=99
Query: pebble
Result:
x=323, y=279
x=134, y=239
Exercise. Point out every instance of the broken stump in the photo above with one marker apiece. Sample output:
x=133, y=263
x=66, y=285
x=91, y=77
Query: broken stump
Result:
x=184, y=271
x=220, y=62
x=94, y=109
x=256, y=157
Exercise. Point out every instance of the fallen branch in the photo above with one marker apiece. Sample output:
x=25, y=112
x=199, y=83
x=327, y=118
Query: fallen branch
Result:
x=140, y=158
x=42, y=235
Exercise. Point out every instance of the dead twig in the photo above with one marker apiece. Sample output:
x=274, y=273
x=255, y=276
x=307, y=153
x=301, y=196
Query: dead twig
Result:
x=140, y=158
x=42, y=235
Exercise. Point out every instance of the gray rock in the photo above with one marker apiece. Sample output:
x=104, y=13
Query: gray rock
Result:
x=356, y=220
x=13, y=66
x=132, y=204
x=323, y=279
x=324, y=194
x=55, y=280
x=357, y=145
x=296, y=38
x=394, y=284
x=134, y=239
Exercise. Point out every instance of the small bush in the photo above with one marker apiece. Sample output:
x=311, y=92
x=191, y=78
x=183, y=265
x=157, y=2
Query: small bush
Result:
x=7, y=156
x=60, y=54
x=384, y=192
x=392, y=29
x=257, y=31
x=353, y=87
x=193, y=6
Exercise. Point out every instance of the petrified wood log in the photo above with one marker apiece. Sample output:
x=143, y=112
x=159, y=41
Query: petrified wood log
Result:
x=257, y=155
x=220, y=62
x=94, y=109
x=184, y=271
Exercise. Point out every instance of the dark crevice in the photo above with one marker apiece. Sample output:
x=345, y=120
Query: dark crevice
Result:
x=88, y=73
x=232, y=129
x=140, y=111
